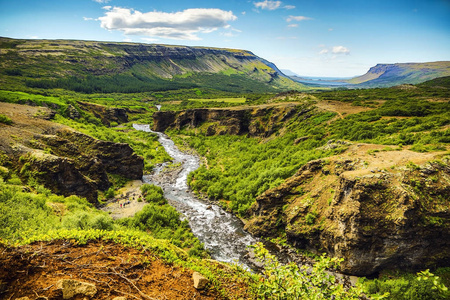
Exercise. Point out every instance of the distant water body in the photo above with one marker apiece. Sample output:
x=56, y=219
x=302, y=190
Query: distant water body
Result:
x=322, y=81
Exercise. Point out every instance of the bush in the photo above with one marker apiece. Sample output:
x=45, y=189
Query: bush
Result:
x=5, y=120
x=280, y=281
x=153, y=193
x=424, y=286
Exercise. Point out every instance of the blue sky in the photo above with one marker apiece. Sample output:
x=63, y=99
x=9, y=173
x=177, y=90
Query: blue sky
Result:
x=340, y=38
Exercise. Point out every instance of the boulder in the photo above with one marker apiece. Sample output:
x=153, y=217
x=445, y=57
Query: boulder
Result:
x=71, y=288
x=200, y=281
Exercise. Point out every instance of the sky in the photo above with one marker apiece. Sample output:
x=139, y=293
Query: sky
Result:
x=323, y=38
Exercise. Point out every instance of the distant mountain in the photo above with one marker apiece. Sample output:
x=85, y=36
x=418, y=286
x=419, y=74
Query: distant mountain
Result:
x=385, y=75
x=288, y=72
x=91, y=67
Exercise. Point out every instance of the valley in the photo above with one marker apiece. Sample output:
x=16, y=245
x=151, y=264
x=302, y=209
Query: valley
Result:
x=353, y=181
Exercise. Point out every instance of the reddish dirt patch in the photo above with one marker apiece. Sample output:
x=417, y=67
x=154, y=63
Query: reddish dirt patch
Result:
x=341, y=108
x=115, y=270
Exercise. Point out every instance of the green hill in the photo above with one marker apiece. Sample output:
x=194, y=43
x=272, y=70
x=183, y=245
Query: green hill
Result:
x=90, y=67
x=385, y=75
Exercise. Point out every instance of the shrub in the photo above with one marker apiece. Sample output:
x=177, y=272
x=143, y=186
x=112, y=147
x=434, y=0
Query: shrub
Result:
x=5, y=120
x=153, y=193
x=280, y=281
x=424, y=286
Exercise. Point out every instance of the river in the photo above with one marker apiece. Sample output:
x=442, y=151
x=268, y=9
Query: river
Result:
x=221, y=232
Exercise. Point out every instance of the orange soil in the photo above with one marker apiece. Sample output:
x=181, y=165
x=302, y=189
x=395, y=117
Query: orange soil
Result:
x=115, y=270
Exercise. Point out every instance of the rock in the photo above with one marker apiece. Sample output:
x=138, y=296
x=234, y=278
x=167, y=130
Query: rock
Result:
x=71, y=288
x=79, y=164
x=200, y=281
x=373, y=221
x=105, y=113
x=73, y=112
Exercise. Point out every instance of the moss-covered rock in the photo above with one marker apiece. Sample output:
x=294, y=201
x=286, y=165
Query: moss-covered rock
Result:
x=373, y=218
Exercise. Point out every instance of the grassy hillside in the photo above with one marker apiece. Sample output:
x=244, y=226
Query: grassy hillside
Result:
x=93, y=67
x=383, y=75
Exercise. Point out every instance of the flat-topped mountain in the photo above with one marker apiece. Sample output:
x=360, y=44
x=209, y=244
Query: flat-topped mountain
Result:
x=384, y=75
x=90, y=66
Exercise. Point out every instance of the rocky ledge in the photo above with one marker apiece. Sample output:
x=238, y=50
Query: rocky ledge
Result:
x=357, y=208
x=65, y=161
x=263, y=120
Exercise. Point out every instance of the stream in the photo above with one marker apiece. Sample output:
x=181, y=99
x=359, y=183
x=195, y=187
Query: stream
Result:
x=221, y=232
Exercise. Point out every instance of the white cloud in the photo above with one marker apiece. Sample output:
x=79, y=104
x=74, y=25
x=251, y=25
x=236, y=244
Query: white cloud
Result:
x=297, y=18
x=88, y=19
x=101, y=1
x=289, y=6
x=330, y=29
x=336, y=50
x=183, y=25
x=293, y=25
x=340, y=50
x=268, y=4
x=149, y=40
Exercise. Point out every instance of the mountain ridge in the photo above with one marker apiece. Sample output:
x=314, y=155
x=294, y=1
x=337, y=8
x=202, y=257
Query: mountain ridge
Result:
x=385, y=75
x=172, y=67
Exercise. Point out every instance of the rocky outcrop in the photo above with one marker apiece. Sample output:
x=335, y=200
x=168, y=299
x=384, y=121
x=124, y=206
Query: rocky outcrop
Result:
x=104, y=113
x=80, y=164
x=373, y=218
x=261, y=120
x=63, y=160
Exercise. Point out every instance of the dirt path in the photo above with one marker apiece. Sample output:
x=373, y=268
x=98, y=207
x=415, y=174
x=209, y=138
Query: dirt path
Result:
x=126, y=202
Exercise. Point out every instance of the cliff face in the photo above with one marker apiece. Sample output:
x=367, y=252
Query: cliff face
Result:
x=104, y=113
x=255, y=121
x=63, y=160
x=374, y=217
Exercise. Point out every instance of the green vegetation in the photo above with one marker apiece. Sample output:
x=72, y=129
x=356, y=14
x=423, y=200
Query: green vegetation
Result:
x=5, y=120
x=144, y=144
x=280, y=281
x=423, y=286
x=240, y=168
x=25, y=214
x=226, y=100
x=134, y=68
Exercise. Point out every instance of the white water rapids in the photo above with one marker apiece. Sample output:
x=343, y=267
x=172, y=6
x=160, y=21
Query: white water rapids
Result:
x=221, y=232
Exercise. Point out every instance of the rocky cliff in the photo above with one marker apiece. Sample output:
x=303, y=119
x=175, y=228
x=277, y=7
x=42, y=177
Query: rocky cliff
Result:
x=263, y=120
x=375, y=211
x=63, y=160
